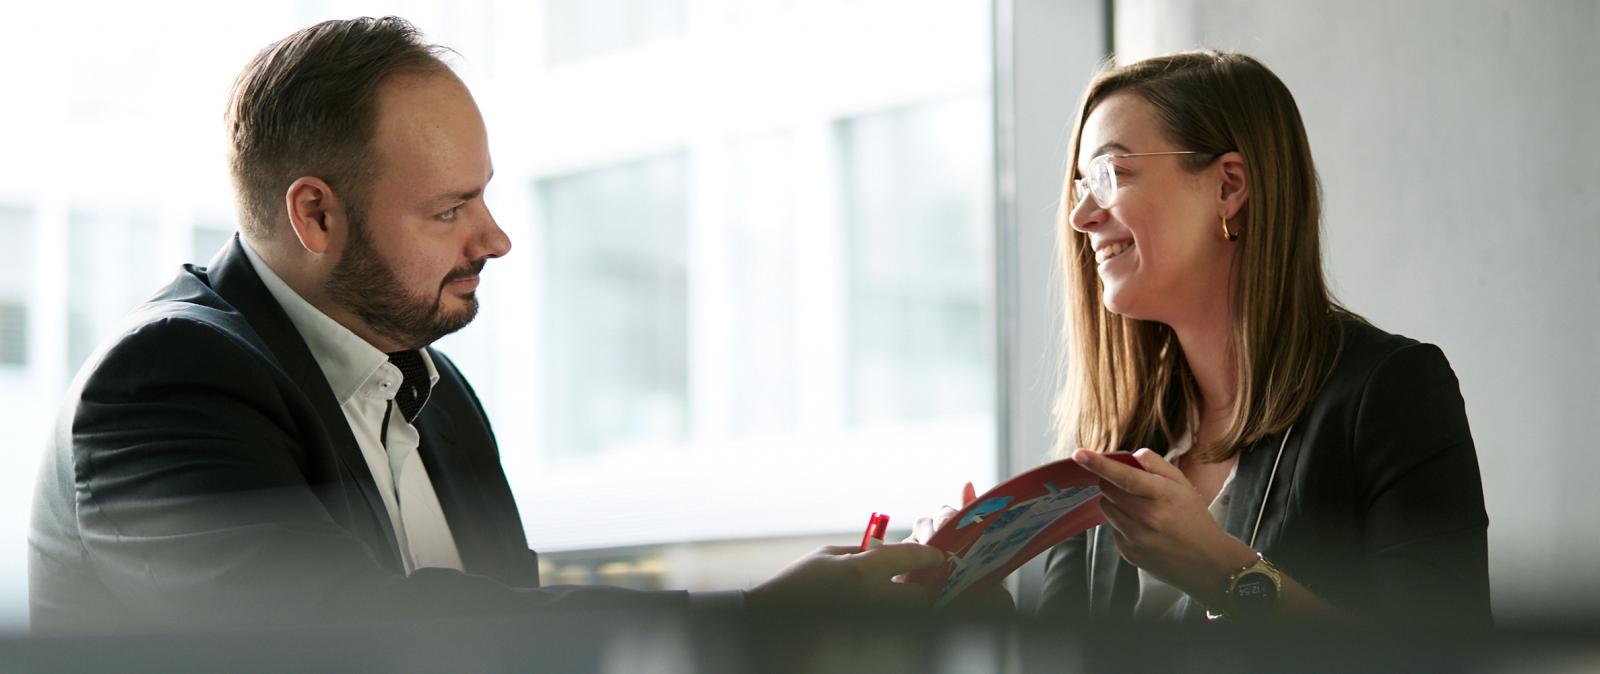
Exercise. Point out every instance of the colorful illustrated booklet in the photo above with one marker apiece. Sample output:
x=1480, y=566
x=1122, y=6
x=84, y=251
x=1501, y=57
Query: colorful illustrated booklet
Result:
x=1010, y=524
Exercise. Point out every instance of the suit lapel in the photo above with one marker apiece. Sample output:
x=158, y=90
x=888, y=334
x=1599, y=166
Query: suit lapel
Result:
x=232, y=277
x=1249, y=483
x=1251, y=498
x=1106, y=570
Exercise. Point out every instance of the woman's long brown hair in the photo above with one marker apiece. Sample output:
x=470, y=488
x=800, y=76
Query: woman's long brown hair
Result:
x=1126, y=382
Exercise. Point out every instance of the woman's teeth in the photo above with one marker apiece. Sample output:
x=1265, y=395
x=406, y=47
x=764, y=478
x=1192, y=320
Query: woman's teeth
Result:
x=1111, y=251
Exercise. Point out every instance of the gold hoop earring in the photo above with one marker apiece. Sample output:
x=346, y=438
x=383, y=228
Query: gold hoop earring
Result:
x=1227, y=235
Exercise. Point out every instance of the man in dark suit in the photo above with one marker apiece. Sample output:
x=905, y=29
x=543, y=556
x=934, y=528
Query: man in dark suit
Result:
x=271, y=439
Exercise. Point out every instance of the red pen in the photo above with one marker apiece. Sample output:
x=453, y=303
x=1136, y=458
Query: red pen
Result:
x=876, y=528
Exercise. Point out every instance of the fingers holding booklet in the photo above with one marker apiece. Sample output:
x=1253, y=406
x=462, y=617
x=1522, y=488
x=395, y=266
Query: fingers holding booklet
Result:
x=993, y=534
x=993, y=599
x=925, y=527
x=955, y=559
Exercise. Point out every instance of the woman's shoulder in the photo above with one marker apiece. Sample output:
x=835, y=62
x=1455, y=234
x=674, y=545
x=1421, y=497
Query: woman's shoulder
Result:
x=1365, y=348
x=1376, y=365
x=1362, y=341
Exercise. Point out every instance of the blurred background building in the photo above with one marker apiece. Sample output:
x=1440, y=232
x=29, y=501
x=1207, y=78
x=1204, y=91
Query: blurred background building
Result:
x=780, y=264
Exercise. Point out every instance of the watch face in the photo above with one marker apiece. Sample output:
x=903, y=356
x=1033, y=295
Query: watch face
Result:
x=1254, y=593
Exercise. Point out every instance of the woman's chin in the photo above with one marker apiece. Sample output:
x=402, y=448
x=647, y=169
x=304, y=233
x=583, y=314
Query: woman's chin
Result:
x=1114, y=300
x=1120, y=302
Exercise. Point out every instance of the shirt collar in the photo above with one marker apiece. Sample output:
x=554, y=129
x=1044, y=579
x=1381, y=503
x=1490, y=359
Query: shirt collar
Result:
x=1183, y=444
x=346, y=359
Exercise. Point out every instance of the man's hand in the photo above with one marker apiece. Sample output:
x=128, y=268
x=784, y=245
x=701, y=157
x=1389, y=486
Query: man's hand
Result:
x=839, y=575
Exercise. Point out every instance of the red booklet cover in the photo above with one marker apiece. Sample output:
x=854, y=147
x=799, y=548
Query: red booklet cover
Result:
x=1010, y=524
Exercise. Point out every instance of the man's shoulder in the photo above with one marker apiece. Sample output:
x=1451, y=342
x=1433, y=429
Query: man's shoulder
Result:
x=185, y=326
x=188, y=308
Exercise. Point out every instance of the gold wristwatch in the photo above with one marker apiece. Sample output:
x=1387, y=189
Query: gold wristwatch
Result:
x=1251, y=592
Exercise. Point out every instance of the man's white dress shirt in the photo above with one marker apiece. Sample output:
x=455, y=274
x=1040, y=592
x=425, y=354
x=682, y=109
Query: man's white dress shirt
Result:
x=365, y=382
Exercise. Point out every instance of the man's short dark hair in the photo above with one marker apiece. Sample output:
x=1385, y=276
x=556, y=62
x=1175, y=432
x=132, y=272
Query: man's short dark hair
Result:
x=307, y=105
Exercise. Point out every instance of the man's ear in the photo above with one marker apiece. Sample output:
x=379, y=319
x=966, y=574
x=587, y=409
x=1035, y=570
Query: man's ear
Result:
x=1235, y=187
x=314, y=213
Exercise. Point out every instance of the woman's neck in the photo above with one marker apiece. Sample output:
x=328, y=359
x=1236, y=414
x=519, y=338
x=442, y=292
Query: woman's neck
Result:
x=1208, y=347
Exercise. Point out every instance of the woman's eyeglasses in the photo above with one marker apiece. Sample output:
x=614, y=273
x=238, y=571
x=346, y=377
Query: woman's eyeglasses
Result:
x=1101, y=179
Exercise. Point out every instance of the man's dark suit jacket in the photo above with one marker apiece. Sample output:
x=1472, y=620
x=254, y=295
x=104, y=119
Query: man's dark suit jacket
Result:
x=1377, y=505
x=201, y=473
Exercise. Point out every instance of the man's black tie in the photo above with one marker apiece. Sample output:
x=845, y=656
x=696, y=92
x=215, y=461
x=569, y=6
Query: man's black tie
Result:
x=413, y=385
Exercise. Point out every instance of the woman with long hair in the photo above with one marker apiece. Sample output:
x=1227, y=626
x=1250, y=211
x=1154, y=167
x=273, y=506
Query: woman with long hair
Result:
x=1297, y=461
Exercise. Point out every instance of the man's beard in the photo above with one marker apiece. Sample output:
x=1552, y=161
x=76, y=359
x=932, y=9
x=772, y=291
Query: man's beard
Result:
x=364, y=283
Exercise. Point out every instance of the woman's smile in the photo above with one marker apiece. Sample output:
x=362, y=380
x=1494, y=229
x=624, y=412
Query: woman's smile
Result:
x=1106, y=253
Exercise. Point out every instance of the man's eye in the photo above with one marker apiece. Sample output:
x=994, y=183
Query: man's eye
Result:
x=450, y=214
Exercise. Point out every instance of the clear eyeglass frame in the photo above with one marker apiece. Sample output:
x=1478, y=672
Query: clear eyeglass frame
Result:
x=1101, y=180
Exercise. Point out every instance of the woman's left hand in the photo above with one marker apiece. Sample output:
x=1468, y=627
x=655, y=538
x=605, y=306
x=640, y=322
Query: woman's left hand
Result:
x=991, y=601
x=925, y=527
x=1163, y=525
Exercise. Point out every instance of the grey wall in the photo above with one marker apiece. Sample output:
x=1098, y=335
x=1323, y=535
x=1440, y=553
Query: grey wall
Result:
x=1459, y=153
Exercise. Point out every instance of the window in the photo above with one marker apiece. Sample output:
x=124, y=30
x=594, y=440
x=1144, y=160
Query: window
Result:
x=580, y=29
x=761, y=282
x=761, y=278
x=616, y=317
x=16, y=274
x=207, y=239
x=914, y=187
x=113, y=266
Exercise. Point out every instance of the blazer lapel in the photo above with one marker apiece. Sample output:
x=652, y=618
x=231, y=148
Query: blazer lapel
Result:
x=1261, y=489
x=1113, y=582
x=232, y=277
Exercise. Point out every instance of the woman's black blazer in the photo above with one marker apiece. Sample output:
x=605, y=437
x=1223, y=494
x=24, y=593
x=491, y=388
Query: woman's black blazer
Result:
x=1375, y=503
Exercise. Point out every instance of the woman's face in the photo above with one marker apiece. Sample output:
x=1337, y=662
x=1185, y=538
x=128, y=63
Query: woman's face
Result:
x=1159, y=248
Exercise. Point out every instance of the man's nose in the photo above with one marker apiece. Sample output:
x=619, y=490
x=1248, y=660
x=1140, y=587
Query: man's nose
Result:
x=492, y=241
